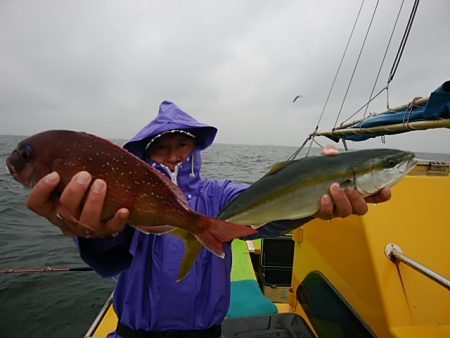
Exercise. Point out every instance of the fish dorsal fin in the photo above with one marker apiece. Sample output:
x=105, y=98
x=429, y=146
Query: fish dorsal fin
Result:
x=277, y=167
x=182, y=199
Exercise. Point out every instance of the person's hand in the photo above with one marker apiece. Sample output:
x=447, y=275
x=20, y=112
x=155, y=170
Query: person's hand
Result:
x=345, y=202
x=78, y=210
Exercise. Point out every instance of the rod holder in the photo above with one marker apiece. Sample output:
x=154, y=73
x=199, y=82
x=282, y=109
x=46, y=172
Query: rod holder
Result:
x=395, y=254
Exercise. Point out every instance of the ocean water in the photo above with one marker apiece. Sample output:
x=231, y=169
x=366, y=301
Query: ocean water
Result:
x=64, y=304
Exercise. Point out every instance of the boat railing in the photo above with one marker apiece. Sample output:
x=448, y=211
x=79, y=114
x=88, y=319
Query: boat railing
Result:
x=91, y=331
x=395, y=254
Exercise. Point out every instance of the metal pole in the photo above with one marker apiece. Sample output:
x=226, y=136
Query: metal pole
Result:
x=395, y=254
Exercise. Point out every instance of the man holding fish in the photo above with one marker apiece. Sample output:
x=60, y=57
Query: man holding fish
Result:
x=148, y=298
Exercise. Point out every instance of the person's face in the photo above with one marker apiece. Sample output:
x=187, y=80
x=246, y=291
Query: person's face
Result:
x=171, y=149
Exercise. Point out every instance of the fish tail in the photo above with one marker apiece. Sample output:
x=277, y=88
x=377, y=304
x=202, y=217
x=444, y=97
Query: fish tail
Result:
x=216, y=232
x=193, y=248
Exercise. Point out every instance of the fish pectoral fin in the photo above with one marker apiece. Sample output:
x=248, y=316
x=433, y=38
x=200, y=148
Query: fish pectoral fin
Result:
x=193, y=247
x=64, y=215
x=216, y=232
x=347, y=183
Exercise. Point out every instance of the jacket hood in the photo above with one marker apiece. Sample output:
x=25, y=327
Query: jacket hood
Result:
x=170, y=117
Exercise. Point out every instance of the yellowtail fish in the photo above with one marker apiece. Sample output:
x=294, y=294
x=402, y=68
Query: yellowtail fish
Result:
x=292, y=189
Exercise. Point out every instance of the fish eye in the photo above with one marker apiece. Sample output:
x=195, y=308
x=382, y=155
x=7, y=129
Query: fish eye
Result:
x=26, y=152
x=391, y=163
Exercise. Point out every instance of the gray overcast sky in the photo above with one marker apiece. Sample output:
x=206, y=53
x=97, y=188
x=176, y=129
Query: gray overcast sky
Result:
x=104, y=66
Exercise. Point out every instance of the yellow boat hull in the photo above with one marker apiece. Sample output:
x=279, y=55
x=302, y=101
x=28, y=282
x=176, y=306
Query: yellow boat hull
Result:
x=393, y=299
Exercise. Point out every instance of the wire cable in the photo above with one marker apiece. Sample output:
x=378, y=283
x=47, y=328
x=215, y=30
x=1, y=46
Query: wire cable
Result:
x=403, y=42
x=371, y=96
x=357, y=63
x=341, y=62
x=311, y=136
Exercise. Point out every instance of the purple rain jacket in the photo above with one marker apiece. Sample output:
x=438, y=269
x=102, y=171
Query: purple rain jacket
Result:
x=147, y=295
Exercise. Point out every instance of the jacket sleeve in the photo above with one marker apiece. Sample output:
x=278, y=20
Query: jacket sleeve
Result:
x=109, y=256
x=230, y=191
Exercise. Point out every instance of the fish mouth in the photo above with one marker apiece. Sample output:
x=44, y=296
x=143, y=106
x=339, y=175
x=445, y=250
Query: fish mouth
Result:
x=11, y=169
x=19, y=175
x=407, y=162
x=409, y=165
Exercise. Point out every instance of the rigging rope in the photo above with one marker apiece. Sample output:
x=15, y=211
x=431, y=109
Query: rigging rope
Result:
x=357, y=62
x=403, y=42
x=341, y=62
x=371, y=96
x=311, y=136
x=384, y=58
x=394, y=65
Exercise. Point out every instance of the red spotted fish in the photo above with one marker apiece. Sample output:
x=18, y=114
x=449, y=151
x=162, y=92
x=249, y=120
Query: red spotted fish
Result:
x=153, y=200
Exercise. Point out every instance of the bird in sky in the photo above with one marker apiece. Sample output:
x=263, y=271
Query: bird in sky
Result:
x=296, y=98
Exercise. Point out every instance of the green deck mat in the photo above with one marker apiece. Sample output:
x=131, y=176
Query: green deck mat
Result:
x=242, y=267
x=247, y=298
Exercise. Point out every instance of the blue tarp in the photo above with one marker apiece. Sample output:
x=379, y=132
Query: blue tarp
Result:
x=437, y=107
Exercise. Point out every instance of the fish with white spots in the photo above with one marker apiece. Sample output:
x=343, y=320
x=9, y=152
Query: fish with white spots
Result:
x=152, y=198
